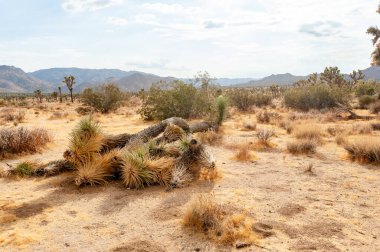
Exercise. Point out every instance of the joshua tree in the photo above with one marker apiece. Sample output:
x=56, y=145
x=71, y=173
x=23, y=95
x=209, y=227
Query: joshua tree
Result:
x=60, y=94
x=332, y=77
x=70, y=81
x=356, y=76
x=38, y=95
x=375, y=32
x=313, y=78
x=275, y=90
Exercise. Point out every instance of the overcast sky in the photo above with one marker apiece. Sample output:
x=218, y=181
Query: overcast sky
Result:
x=228, y=38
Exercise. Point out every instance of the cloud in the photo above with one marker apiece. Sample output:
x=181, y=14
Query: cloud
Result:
x=88, y=5
x=321, y=29
x=118, y=21
x=213, y=24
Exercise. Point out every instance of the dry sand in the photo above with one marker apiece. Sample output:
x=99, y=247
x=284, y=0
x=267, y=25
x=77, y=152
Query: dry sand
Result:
x=334, y=208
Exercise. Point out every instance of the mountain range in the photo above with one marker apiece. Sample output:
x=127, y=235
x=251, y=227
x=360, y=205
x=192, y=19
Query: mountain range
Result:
x=15, y=80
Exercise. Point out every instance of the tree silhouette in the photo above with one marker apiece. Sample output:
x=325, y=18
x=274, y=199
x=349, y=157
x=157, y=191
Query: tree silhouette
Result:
x=333, y=77
x=356, y=76
x=70, y=81
x=375, y=32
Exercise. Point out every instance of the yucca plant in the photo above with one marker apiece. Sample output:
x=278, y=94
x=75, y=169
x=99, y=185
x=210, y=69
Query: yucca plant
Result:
x=85, y=141
x=24, y=169
x=221, y=107
x=98, y=169
x=134, y=170
x=162, y=169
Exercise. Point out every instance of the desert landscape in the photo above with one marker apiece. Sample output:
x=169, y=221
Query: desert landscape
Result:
x=315, y=201
x=114, y=137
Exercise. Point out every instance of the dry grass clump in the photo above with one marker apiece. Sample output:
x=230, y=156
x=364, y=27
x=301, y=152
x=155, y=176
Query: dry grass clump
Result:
x=302, y=146
x=375, y=126
x=205, y=216
x=335, y=130
x=364, y=149
x=97, y=169
x=243, y=154
x=264, y=135
x=286, y=125
x=9, y=115
x=21, y=140
x=209, y=137
x=310, y=132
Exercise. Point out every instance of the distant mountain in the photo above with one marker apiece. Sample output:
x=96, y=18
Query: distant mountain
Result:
x=372, y=73
x=137, y=81
x=280, y=79
x=82, y=76
x=14, y=79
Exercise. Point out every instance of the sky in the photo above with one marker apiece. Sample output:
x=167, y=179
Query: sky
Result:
x=227, y=38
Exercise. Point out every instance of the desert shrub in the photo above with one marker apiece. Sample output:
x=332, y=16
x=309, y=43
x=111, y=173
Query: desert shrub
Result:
x=375, y=126
x=362, y=128
x=243, y=154
x=267, y=117
x=264, y=135
x=175, y=99
x=374, y=108
x=22, y=140
x=341, y=139
x=303, y=146
x=286, y=125
x=3, y=102
x=11, y=116
x=365, y=149
x=364, y=88
x=243, y=99
x=309, y=132
x=104, y=98
x=58, y=115
x=316, y=97
x=84, y=110
x=366, y=100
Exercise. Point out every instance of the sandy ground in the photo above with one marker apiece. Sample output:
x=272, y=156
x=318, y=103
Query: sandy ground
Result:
x=335, y=208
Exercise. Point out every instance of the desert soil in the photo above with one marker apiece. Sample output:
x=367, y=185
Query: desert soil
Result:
x=336, y=207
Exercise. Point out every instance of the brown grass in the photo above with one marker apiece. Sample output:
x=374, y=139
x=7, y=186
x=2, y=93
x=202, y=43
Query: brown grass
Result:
x=21, y=140
x=205, y=216
x=310, y=132
x=244, y=154
x=249, y=126
x=209, y=137
x=364, y=149
x=302, y=146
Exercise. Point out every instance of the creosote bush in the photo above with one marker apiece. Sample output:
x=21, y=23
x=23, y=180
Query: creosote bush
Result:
x=320, y=96
x=244, y=98
x=366, y=100
x=177, y=99
x=21, y=140
x=104, y=98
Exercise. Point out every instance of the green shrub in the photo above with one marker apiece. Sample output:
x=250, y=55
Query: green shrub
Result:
x=318, y=96
x=178, y=99
x=243, y=99
x=366, y=100
x=104, y=98
x=365, y=88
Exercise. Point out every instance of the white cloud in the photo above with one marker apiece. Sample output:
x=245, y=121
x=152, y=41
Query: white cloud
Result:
x=118, y=21
x=88, y=5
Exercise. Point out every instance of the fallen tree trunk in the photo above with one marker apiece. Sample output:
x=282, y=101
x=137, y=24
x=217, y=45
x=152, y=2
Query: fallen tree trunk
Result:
x=123, y=140
x=352, y=115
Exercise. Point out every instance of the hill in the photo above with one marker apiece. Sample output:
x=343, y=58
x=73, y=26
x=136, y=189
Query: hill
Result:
x=13, y=79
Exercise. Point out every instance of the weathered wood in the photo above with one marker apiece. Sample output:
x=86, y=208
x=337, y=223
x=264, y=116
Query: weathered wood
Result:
x=203, y=126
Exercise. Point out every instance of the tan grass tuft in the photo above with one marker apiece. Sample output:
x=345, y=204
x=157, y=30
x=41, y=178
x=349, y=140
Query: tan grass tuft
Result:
x=244, y=154
x=364, y=149
x=309, y=131
x=98, y=169
x=303, y=146
x=209, y=137
x=205, y=216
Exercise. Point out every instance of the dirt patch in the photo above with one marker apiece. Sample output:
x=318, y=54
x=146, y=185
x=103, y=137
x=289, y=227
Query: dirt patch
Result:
x=291, y=209
x=319, y=245
x=325, y=228
x=139, y=246
x=29, y=210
